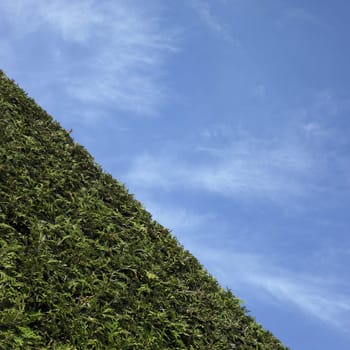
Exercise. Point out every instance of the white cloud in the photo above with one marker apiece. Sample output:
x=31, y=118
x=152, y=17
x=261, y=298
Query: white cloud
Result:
x=7, y=54
x=178, y=220
x=299, y=13
x=310, y=295
x=204, y=11
x=248, y=167
x=260, y=91
x=315, y=130
x=315, y=295
x=106, y=53
x=296, y=16
x=74, y=20
x=327, y=103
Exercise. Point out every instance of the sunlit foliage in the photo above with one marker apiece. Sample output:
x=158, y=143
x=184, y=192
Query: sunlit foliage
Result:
x=84, y=266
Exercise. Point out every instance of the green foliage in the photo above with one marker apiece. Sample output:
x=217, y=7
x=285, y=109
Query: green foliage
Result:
x=84, y=266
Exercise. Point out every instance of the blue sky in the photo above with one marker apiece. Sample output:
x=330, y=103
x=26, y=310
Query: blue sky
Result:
x=228, y=120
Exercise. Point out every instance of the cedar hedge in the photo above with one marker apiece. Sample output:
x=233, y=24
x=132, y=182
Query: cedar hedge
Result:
x=84, y=266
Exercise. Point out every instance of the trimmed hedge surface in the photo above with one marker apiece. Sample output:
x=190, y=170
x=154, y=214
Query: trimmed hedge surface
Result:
x=84, y=266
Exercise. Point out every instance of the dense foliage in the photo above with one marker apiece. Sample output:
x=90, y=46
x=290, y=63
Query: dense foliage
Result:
x=84, y=266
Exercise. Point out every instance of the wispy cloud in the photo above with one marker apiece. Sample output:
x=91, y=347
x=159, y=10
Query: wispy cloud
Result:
x=7, y=53
x=248, y=167
x=178, y=220
x=317, y=296
x=299, y=13
x=73, y=20
x=260, y=91
x=297, y=159
x=310, y=295
x=105, y=53
x=203, y=9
